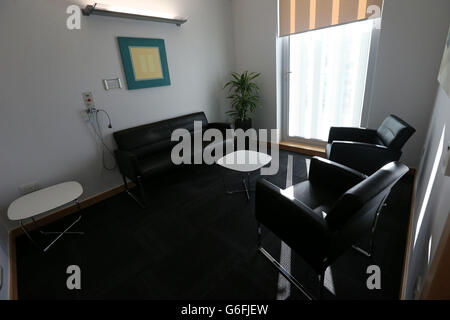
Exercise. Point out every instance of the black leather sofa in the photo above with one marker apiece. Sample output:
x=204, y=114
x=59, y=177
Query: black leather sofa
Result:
x=145, y=151
x=368, y=150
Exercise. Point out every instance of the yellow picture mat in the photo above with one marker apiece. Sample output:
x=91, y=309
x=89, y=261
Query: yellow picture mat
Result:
x=146, y=63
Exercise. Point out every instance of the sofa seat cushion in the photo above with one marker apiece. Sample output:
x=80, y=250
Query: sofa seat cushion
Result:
x=155, y=164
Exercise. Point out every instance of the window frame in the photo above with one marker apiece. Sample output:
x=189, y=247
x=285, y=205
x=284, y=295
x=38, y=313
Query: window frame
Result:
x=286, y=72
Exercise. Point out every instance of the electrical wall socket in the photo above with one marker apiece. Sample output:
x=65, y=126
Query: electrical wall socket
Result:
x=88, y=99
x=29, y=188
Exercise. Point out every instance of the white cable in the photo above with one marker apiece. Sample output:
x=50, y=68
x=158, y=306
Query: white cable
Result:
x=98, y=132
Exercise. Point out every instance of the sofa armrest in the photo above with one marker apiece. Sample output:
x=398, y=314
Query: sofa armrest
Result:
x=352, y=134
x=333, y=175
x=363, y=157
x=128, y=163
x=220, y=126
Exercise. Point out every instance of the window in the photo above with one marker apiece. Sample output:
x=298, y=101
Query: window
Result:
x=328, y=71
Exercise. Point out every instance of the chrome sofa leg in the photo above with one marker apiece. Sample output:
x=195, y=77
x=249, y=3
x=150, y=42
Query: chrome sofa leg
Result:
x=140, y=202
x=259, y=236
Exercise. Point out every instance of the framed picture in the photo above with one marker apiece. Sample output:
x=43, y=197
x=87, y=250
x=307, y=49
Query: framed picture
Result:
x=144, y=62
x=444, y=73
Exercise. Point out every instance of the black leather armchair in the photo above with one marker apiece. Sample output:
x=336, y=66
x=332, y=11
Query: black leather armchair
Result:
x=368, y=150
x=326, y=215
x=145, y=151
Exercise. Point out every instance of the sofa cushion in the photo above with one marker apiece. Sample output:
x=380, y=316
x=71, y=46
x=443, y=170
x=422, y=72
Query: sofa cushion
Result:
x=154, y=164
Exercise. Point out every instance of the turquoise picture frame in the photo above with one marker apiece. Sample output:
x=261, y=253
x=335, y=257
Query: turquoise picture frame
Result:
x=144, y=71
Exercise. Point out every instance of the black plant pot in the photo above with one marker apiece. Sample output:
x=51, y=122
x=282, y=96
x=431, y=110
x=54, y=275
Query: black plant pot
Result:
x=244, y=125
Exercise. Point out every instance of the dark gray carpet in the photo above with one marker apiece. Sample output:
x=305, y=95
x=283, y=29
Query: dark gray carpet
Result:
x=196, y=242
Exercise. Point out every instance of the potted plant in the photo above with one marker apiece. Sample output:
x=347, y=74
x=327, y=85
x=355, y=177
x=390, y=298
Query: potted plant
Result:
x=244, y=96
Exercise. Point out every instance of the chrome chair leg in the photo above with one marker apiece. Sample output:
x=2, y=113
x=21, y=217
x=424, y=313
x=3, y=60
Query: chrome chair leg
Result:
x=322, y=284
x=259, y=236
x=141, y=203
x=59, y=233
x=24, y=229
x=370, y=251
x=281, y=269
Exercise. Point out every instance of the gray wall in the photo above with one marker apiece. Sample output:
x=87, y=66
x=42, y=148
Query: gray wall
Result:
x=255, y=32
x=437, y=208
x=410, y=51
x=45, y=68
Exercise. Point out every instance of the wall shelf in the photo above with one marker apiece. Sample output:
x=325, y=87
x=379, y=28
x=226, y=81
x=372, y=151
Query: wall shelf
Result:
x=102, y=10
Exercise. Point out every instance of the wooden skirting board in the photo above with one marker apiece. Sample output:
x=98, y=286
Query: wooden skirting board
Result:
x=309, y=150
x=13, y=290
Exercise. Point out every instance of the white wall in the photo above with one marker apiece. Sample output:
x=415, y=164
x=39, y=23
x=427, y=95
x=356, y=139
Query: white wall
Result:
x=255, y=32
x=45, y=68
x=437, y=206
x=410, y=51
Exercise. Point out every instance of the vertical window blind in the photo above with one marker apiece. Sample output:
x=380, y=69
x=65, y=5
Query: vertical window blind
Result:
x=327, y=80
x=304, y=15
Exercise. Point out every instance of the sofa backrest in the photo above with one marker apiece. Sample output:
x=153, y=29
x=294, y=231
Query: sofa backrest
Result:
x=187, y=121
x=154, y=137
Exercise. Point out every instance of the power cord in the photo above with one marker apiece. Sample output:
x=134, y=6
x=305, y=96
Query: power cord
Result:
x=95, y=123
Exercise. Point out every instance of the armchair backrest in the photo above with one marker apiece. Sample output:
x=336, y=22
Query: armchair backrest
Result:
x=353, y=214
x=394, y=132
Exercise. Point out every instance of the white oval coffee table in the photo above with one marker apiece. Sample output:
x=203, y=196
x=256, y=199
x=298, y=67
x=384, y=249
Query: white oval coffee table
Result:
x=45, y=200
x=246, y=161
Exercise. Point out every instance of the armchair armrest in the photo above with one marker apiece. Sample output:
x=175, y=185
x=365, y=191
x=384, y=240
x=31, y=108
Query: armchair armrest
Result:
x=220, y=126
x=275, y=208
x=364, y=157
x=334, y=175
x=305, y=231
x=352, y=134
x=128, y=163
